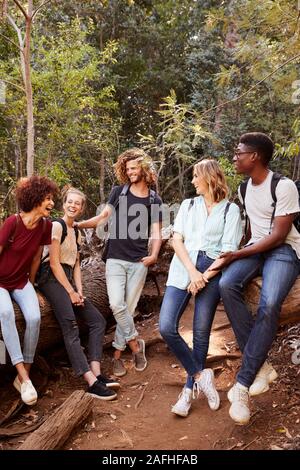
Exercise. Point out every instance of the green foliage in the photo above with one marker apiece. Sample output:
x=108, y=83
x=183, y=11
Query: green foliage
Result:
x=101, y=71
x=179, y=142
x=233, y=180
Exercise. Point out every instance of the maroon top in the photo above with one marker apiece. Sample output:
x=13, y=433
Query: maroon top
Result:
x=16, y=257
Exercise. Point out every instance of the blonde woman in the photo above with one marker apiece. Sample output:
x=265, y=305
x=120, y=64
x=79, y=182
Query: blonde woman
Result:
x=204, y=227
x=60, y=282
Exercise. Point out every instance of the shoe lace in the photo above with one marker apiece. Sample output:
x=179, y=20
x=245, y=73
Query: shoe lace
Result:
x=197, y=390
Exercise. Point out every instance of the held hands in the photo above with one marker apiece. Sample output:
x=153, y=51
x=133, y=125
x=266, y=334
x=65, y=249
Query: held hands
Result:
x=149, y=260
x=76, y=298
x=198, y=282
x=82, y=297
x=223, y=260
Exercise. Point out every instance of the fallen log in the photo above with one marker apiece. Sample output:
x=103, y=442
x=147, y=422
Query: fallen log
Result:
x=54, y=432
x=93, y=276
x=290, y=311
x=94, y=288
x=94, y=284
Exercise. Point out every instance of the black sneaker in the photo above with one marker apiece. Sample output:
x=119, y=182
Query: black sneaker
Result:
x=99, y=390
x=110, y=383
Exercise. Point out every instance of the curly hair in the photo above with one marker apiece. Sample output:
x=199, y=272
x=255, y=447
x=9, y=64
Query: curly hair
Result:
x=68, y=189
x=211, y=172
x=31, y=192
x=147, y=165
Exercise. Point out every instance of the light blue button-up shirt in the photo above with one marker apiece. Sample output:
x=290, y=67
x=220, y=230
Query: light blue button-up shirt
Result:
x=200, y=231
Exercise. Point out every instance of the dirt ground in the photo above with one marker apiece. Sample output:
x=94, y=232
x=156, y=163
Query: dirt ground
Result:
x=141, y=419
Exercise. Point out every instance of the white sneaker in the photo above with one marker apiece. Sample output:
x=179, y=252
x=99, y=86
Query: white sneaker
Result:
x=206, y=384
x=17, y=384
x=28, y=393
x=239, y=410
x=182, y=407
x=266, y=375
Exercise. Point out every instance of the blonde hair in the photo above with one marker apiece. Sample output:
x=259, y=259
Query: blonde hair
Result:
x=147, y=165
x=68, y=189
x=211, y=172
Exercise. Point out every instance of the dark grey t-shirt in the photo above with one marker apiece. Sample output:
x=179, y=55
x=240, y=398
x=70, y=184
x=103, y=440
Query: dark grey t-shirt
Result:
x=130, y=223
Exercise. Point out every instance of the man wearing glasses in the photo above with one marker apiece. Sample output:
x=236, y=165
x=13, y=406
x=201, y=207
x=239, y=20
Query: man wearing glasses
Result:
x=273, y=251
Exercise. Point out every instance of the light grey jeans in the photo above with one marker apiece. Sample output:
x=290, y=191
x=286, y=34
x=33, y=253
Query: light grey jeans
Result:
x=125, y=281
x=27, y=300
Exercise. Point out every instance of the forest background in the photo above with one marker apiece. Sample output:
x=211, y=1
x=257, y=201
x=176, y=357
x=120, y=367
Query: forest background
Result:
x=182, y=79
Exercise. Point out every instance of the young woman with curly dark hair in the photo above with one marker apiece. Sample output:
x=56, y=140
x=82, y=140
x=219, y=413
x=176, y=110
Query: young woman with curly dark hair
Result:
x=22, y=237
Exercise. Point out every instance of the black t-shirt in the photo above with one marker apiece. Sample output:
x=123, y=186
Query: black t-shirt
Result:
x=130, y=223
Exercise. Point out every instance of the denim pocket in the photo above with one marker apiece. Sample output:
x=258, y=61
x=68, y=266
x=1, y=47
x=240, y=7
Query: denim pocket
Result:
x=203, y=262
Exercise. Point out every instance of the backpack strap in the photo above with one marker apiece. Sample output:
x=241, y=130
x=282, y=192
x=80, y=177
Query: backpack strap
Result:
x=63, y=235
x=276, y=177
x=123, y=193
x=243, y=189
x=152, y=196
x=65, y=231
x=191, y=204
x=226, y=210
x=125, y=190
x=76, y=230
x=64, y=228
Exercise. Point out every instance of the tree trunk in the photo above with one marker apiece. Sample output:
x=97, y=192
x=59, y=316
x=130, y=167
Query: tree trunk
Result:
x=54, y=432
x=290, y=311
x=94, y=287
x=28, y=90
x=24, y=45
x=102, y=178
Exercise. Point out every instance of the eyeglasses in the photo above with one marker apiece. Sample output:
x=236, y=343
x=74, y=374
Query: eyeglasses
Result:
x=237, y=153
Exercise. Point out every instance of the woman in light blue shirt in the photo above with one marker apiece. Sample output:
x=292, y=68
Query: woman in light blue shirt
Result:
x=204, y=227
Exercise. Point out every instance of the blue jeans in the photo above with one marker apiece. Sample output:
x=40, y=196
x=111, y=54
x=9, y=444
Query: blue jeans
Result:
x=173, y=306
x=27, y=300
x=279, y=269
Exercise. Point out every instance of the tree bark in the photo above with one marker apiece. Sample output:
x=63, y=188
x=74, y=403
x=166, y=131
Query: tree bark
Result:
x=24, y=46
x=102, y=178
x=28, y=90
x=94, y=287
x=54, y=432
x=25, y=57
x=290, y=311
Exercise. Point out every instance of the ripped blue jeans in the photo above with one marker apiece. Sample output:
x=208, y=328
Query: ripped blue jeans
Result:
x=27, y=300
